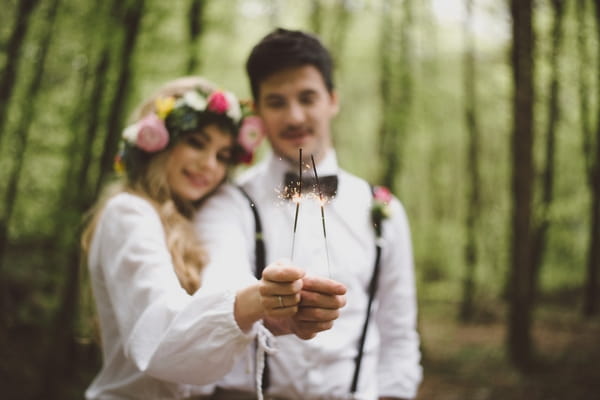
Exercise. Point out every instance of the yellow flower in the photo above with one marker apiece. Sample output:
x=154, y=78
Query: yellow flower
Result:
x=164, y=106
x=118, y=165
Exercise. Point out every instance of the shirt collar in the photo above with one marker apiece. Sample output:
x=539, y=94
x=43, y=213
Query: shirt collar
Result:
x=278, y=166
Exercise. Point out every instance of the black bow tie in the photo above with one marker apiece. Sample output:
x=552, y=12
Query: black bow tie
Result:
x=327, y=185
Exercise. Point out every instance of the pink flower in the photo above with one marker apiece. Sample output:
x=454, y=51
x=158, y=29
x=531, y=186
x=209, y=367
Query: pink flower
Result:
x=152, y=134
x=382, y=194
x=251, y=133
x=217, y=102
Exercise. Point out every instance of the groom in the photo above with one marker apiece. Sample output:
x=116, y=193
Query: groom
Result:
x=372, y=349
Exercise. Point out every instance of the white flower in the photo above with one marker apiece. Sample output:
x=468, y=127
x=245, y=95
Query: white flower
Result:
x=234, y=111
x=130, y=133
x=193, y=99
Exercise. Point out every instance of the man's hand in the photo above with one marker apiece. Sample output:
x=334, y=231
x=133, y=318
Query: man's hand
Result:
x=320, y=301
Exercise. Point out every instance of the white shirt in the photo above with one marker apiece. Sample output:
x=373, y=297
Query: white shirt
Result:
x=157, y=340
x=322, y=368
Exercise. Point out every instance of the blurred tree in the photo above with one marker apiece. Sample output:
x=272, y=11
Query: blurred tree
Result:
x=22, y=128
x=128, y=18
x=472, y=170
x=520, y=307
x=131, y=24
x=339, y=30
x=8, y=76
x=542, y=222
x=592, y=155
x=316, y=16
x=395, y=85
x=195, y=19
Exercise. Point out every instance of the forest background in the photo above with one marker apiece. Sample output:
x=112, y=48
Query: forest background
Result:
x=483, y=116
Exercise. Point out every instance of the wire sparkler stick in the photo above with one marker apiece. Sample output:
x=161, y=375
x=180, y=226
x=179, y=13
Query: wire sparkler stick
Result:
x=297, y=197
x=322, y=214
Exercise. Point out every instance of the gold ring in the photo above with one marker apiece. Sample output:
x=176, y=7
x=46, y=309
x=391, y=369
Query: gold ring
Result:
x=281, y=302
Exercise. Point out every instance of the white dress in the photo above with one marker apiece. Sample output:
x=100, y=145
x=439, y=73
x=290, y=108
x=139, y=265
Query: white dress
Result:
x=157, y=340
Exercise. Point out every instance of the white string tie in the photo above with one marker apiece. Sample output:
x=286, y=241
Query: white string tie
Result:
x=264, y=338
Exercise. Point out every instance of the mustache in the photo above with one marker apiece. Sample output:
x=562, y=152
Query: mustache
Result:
x=296, y=130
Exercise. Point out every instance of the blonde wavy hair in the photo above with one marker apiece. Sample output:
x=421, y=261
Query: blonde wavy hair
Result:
x=187, y=253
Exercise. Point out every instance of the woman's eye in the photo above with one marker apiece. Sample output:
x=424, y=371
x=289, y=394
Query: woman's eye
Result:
x=225, y=157
x=195, y=142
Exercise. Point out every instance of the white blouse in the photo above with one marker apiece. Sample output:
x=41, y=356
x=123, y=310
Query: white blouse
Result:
x=157, y=340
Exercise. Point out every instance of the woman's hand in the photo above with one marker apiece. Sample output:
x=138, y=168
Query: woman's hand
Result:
x=280, y=289
x=275, y=296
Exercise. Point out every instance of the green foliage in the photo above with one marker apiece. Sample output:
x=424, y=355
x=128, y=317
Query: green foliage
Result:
x=432, y=186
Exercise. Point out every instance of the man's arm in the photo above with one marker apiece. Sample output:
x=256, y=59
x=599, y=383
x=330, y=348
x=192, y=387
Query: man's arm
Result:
x=399, y=370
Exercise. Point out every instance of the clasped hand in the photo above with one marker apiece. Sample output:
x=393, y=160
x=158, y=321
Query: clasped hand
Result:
x=295, y=303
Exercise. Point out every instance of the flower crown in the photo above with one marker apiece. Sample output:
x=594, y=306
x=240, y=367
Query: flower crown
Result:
x=174, y=116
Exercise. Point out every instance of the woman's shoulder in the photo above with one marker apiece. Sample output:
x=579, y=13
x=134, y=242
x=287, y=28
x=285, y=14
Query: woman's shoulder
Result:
x=128, y=203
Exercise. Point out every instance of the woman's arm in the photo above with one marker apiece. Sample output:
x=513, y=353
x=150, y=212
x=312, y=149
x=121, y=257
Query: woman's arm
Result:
x=277, y=295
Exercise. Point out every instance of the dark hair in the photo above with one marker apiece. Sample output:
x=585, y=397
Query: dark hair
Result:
x=282, y=49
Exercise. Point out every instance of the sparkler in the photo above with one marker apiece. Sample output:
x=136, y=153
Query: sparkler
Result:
x=321, y=202
x=297, y=197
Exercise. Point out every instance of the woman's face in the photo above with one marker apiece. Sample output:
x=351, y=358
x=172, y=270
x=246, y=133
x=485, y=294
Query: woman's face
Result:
x=198, y=162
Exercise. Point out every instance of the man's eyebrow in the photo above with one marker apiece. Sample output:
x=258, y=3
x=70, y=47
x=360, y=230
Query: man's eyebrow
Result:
x=308, y=92
x=273, y=96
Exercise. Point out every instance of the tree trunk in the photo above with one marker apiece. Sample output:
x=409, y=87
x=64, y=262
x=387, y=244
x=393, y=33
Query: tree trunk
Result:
x=590, y=306
x=131, y=23
x=520, y=307
x=85, y=122
x=339, y=31
x=61, y=368
x=316, y=17
x=13, y=58
x=195, y=29
x=22, y=128
x=584, y=67
x=473, y=195
x=395, y=86
x=541, y=228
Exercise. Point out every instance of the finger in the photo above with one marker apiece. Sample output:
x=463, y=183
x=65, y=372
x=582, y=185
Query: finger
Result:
x=280, y=301
x=307, y=330
x=269, y=288
x=316, y=315
x=281, y=312
x=281, y=272
x=315, y=299
x=323, y=285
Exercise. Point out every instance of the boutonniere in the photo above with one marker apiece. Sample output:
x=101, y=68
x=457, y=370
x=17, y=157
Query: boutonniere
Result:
x=381, y=206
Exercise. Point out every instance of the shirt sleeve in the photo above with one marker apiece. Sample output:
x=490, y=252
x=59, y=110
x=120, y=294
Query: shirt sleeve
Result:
x=166, y=332
x=399, y=369
x=226, y=227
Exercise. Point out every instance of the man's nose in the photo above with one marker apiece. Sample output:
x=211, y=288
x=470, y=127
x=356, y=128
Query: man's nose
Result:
x=295, y=114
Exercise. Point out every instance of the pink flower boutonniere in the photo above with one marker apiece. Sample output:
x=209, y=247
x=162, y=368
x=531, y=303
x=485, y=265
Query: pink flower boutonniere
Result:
x=381, y=206
x=251, y=135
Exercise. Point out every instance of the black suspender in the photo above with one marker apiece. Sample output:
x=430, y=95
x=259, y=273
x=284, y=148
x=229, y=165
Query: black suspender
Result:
x=260, y=264
x=259, y=248
x=377, y=225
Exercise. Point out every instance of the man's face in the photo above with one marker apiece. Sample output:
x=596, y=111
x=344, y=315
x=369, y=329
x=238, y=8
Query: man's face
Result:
x=297, y=109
